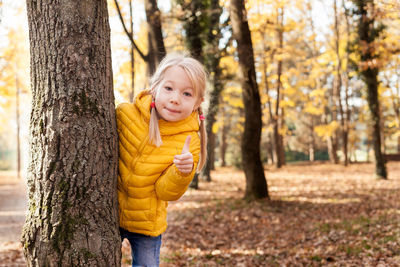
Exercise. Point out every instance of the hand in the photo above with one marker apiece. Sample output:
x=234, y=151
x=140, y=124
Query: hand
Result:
x=184, y=161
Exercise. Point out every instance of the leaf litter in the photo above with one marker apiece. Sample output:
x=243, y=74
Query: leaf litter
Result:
x=317, y=215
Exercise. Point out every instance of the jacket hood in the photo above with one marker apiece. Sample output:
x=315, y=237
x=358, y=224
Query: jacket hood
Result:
x=191, y=123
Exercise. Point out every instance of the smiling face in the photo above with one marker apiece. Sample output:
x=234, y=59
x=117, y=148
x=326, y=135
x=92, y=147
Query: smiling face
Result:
x=176, y=99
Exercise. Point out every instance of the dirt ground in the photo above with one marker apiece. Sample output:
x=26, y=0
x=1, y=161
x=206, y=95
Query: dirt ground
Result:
x=317, y=215
x=13, y=205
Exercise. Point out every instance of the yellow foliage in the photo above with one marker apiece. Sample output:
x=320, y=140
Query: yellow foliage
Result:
x=215, y=127
x=319, y=92
x=314, y=110
x=326, y=130
x=287, y=103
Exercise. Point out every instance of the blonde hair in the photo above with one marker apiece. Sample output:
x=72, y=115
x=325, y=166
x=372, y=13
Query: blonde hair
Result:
x=198, y=77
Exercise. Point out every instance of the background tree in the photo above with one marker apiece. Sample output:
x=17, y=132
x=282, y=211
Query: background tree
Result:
x=129, y=33
x=203, y=30
x=256, y=186
x=155, y=44
x=194, y=18
x=73, y=217
x=369, y=30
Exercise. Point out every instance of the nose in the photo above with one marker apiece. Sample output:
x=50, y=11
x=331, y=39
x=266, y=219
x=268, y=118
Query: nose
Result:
x=175, y=98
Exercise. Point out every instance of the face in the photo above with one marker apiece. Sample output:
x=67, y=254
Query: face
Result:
x=175, y=99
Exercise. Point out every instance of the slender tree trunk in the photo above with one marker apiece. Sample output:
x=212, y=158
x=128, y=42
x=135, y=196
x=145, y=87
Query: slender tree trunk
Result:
x=311, y=150
x=256, y=185
x=332, y=141
x=281, y=141
x=156, y=41
x=367, y=34
x=132, y=52
x=271, y=149
x=338, y=87
x=17, y=95
x=278, y=116
x=73, y=213
x=224, y=143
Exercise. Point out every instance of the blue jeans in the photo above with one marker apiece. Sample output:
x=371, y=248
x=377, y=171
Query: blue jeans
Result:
x=145, y=249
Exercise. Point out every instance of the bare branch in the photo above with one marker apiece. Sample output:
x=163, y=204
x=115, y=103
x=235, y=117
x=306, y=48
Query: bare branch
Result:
x=129, y=34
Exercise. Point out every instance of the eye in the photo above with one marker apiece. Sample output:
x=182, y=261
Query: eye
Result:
x=187, y=94
x=168, y=88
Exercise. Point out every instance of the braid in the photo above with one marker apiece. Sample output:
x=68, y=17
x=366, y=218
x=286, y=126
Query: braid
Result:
x=203, y=141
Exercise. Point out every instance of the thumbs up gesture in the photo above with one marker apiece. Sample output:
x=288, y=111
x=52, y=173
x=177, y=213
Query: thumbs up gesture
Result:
x=184, y=161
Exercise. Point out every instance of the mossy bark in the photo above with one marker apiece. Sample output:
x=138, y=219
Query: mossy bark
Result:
x=73, y=212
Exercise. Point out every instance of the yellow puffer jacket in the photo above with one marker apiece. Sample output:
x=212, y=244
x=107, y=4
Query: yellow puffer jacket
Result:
x=147, y=177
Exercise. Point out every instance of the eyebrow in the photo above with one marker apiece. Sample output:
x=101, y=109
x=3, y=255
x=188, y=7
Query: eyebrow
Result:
x=186, y=87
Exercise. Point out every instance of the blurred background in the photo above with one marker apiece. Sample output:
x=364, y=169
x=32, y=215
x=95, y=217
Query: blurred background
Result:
x=304, y=48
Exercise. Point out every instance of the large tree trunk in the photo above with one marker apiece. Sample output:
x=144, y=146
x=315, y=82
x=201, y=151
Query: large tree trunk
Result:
x=156, y=41
x=73, y=213
x=367, y=32
x=256, y=185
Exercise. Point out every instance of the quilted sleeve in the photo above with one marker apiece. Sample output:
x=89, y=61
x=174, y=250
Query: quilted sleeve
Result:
x=172, y=184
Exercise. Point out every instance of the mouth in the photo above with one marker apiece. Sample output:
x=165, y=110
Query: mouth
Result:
x=172, y=110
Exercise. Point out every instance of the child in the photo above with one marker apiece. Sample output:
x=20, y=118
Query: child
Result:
x=159, y=152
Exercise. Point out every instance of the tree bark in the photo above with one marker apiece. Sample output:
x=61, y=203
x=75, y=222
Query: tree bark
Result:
x=368, y=32
x=256, y=185
x=72, y=174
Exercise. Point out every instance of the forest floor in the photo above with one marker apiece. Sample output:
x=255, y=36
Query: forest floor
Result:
x=317, y=215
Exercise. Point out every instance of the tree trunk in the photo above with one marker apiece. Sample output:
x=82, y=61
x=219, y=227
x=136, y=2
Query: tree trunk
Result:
x=311, y=150
x=338, y=88
x=193, y=28
x=278, y=116
x=194, y=44
x=17, y=95
x=224, y=144
x=281, y=143
x=367, y=32
x=156, y=41
x=132, y=52
x=256, y=185
x=72, y=175
x=200, y=14
x=271, y=150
